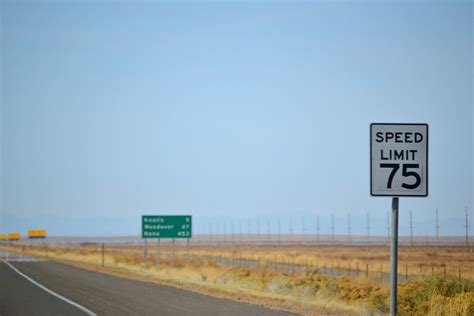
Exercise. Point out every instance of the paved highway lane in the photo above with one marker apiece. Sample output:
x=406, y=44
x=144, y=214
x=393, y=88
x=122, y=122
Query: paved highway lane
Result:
x=18, y=296
x=105, y=295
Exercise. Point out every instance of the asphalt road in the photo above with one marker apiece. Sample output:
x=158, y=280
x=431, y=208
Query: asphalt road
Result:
x=18, y=296
x=102, y=294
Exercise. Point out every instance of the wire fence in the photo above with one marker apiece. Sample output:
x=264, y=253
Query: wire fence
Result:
x=117, y=255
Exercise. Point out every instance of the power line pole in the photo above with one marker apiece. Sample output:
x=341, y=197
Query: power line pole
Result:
x=224, y=232
x=317, y=227
x=332, y=227
x=249, y=229
x=349, y=227
x=217, y=234
x=210, y=233
x=258, y=231
x=279, y=231
x=291, y=230
x=437, y=229
x=232, y=232
x=268, y=230
x=411, y=229
x=303, y=230
x=368, y=227
x=467, y=227
x=240, y=231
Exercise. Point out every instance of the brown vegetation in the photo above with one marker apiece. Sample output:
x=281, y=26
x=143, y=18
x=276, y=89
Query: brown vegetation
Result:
x=306, y=290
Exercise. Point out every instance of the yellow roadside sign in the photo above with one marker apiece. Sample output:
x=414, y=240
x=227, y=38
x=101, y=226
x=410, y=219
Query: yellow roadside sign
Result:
x=40, y=233
x=14, y=236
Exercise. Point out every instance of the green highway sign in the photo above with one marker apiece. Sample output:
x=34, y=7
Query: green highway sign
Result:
x=166, y=226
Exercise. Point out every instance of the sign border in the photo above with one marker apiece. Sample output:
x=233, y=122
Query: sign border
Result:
x=427, y=159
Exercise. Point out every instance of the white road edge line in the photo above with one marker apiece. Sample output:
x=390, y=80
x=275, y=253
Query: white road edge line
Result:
x=88, y=312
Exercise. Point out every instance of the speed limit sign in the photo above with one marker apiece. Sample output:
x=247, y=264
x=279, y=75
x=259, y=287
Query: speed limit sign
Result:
x=398, y=167
x=398, y=159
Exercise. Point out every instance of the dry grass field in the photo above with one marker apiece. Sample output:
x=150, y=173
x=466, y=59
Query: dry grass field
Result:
x=307, y=289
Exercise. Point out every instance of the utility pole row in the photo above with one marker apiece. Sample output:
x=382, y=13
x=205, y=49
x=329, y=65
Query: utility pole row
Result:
x=218, y=231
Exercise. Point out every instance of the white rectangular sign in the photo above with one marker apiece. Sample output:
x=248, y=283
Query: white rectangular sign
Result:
x=398, y=159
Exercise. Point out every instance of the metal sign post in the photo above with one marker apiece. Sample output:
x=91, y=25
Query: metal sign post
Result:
x=174, y=253
x=187, y=249
x=158, y=253
x=394, y=258
x=398, y=167
x=145, y=251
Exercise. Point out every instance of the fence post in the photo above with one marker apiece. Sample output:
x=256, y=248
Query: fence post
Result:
x=103, y=255
x=459, y=272
x=444, y=271
x=406, y=272
x=367, y=271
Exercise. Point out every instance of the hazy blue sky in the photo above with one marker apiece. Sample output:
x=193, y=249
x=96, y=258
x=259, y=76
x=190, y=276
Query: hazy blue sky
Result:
x=227, y=110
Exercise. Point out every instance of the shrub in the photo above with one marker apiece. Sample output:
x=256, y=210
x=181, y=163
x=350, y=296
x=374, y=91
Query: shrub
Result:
x=436, y=296
x=378, y=301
